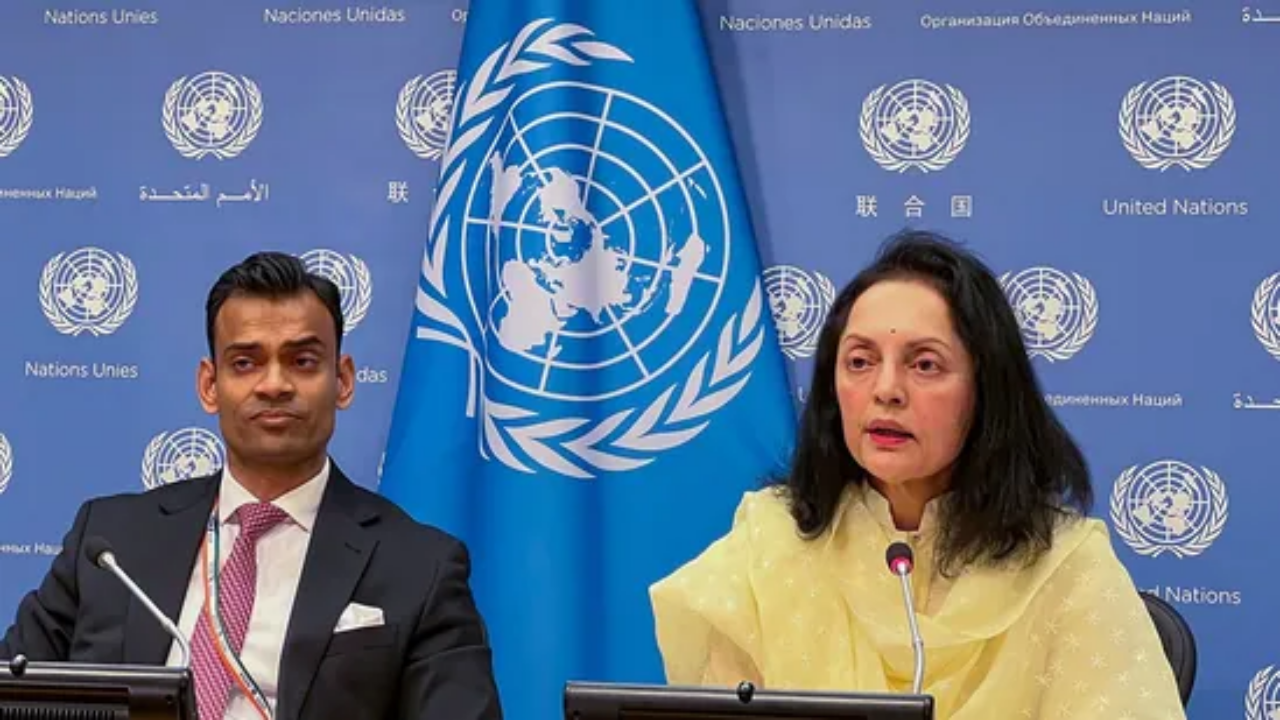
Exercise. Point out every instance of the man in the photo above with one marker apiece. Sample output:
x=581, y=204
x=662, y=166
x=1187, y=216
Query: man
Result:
x=332, y=602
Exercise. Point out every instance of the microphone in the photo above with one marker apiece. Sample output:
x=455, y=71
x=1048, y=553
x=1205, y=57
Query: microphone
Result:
x=99, y=552
x=901, y=561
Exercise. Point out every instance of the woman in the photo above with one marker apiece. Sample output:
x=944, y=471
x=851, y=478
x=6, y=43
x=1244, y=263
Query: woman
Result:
x=924, y=424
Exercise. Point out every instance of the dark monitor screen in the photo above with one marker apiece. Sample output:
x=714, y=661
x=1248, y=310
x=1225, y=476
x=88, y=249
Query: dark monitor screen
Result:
x=603, y=701
x=52, y=691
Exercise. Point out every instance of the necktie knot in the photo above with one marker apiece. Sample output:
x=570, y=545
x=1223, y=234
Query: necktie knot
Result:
x=257, y=518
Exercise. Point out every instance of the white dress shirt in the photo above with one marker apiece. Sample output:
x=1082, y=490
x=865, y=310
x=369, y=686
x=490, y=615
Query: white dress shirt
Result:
x=280, y=553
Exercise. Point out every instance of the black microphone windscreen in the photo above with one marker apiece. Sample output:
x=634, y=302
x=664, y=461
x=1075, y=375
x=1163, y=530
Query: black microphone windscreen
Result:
x=94, y=546
x=898, y=551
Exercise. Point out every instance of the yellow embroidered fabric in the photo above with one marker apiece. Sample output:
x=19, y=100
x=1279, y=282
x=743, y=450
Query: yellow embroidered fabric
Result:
x=1066, y=638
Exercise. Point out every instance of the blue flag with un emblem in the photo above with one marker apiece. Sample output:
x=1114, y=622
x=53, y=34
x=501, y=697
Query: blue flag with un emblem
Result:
x=592, y=377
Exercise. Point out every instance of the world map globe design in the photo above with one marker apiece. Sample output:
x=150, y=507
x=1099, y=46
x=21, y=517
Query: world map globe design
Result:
x=915, y=120
x=1177, y=117
x=1273, y=307
x=1047, y=304
x=88, y=284
x=432, y=105
x=1169, y=503
x=1269, y=707
x=604, y=236
x=213, y=109
x=10, y=108
x=337, y=269
x=799, y=307
x=184, y=454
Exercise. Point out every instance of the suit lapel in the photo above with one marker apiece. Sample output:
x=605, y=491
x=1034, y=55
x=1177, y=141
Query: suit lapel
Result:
x=339, y=550
x=161, y=561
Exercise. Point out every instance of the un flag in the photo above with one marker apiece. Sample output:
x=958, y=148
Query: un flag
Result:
x=592, y=377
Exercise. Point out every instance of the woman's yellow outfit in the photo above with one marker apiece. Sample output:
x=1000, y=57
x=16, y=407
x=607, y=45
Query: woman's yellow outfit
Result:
x=1067, y=637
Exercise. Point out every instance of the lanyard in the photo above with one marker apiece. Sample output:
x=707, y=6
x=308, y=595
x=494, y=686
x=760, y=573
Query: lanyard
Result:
x=221, y=642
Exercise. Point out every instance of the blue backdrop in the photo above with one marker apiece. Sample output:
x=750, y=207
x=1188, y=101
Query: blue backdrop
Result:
x=1115, y=167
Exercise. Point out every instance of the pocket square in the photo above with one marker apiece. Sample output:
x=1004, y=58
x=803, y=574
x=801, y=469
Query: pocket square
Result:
x=357, y=616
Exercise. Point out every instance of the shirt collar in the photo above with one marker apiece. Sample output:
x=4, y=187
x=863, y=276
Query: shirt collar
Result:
x=879, y=508
x=301, y=504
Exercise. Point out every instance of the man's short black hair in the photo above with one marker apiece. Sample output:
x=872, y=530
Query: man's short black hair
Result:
x=272, y=275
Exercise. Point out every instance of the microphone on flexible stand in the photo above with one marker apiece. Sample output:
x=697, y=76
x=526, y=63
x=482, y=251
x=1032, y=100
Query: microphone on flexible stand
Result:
x=66, y=688
x=99, y=552
x=901, y=561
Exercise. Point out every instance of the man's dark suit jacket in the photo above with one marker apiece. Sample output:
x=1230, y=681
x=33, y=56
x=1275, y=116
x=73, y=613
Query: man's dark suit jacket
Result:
x=431, y=659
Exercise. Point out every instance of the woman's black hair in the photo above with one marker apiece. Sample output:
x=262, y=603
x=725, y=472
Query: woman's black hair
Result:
x=1018, y=473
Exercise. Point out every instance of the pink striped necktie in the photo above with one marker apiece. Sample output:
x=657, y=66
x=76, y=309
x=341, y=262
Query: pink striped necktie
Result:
x=237, y=584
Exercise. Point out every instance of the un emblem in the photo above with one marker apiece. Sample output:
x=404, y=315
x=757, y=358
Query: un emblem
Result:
x=914, y=124
x=1057, y=314
x=88, y=290
x=181, y=455
x=351, y=275
x=590, y=267
x=6, y=463
x=1265, y=313
x=423, y=110
x=1262, y=701
x=799, y=302
x=212, y=113
x=16, y=110
x=1169, y=506
x=1177, y=121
